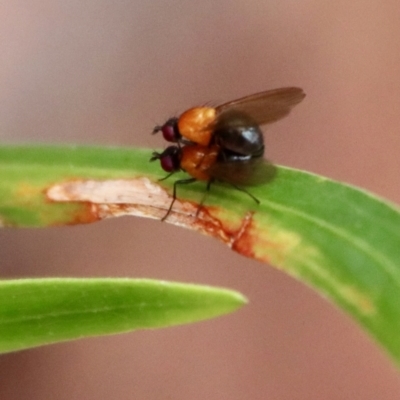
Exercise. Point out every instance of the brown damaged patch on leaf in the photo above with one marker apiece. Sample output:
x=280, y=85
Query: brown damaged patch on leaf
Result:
x=117, y=197
x=144, y=198
x=86, y=214
x=241, y=239
x=238, y=239
x=246, y=240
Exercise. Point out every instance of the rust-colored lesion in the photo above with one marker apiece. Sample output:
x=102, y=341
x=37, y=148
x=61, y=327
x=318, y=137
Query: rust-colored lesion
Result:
x=243, y=239
x=86, y=214
x=144, y=198
x=118, y=197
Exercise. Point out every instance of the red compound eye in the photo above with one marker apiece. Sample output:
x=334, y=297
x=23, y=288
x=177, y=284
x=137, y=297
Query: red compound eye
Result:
x=170, y=158
x=170, y=130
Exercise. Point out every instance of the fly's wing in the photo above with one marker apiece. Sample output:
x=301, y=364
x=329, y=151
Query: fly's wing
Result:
x=251, y=172
x=266, y=107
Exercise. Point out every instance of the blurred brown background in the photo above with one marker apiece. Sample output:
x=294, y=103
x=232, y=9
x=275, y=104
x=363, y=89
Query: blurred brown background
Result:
x=102, y=72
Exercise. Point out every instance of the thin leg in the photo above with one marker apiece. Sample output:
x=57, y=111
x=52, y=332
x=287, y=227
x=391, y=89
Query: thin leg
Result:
x=204, y=197
x=178, y=182
x=166, y=177
x=248, y=193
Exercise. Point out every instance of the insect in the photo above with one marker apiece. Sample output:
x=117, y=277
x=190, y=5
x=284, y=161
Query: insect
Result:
x=224, y=143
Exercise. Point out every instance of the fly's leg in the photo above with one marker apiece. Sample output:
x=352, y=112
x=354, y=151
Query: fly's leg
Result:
x=204, y=197
x=167, y=176
x=176, y=183
x=248, y=193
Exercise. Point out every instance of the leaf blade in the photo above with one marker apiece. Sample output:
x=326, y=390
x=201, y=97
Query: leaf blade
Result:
x=35, y=312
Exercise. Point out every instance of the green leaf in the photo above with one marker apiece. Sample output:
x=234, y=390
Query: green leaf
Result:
x=35, y=312
x=341, y=240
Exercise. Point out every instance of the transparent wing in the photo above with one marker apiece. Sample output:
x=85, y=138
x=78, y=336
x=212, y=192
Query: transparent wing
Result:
x=266, y=107
x=251, y=172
